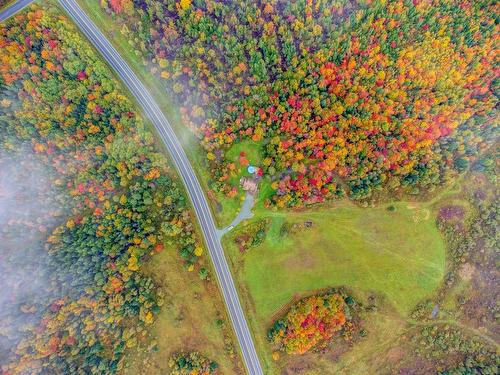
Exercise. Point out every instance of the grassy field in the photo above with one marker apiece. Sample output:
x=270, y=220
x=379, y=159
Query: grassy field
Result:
x=399, y=256
x=358, y=245
x=187, y=322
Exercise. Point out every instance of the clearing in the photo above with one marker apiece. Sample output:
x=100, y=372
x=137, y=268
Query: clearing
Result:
x=397, y=256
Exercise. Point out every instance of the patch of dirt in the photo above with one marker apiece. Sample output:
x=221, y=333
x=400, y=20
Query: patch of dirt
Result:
x=421, y=215
x=241, y=240
x=299, y=364
x=394, y=355
x=303, y=260
x=466, y=272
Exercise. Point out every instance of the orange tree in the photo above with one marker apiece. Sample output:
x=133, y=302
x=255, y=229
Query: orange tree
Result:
x=309, y=322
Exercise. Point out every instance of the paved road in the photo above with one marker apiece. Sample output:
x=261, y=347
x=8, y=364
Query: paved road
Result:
x=14, y=8
x=185, y=169
x=244, y=213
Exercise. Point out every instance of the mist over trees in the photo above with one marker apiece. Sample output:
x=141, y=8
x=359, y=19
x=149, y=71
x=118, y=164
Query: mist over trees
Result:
x=28, y=210
x=86, y=199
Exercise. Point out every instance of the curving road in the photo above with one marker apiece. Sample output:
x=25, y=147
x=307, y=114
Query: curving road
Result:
x=181, y=161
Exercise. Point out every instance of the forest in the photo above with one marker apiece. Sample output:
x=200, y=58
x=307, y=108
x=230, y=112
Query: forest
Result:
x=103, y=199
x=343, y=97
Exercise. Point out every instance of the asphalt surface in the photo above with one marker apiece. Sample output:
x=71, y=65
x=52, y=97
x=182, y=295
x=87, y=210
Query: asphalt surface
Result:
x=14, y=8
x=244, y=213
x=184, y=168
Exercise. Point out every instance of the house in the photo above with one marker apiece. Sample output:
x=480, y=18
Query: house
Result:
x=249, y=184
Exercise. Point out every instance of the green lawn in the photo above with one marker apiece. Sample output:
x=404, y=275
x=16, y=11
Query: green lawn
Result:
x=397, y=254
x=252, y=149
x=229, y=207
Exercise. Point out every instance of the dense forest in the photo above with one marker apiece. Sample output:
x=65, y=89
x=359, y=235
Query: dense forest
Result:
x=86, y=199
x=341, y=96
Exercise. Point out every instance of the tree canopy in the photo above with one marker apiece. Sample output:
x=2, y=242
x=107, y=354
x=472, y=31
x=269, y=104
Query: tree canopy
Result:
x=346, y=96
x=121, y=200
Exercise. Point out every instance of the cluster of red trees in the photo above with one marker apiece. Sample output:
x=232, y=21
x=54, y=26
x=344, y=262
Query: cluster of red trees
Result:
x=347, y=96
x=309, y=322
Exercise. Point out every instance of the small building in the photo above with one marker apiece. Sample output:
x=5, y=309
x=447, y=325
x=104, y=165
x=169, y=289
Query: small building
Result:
x=249, y=184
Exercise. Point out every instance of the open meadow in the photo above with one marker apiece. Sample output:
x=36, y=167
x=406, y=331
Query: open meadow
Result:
x=392, y=254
